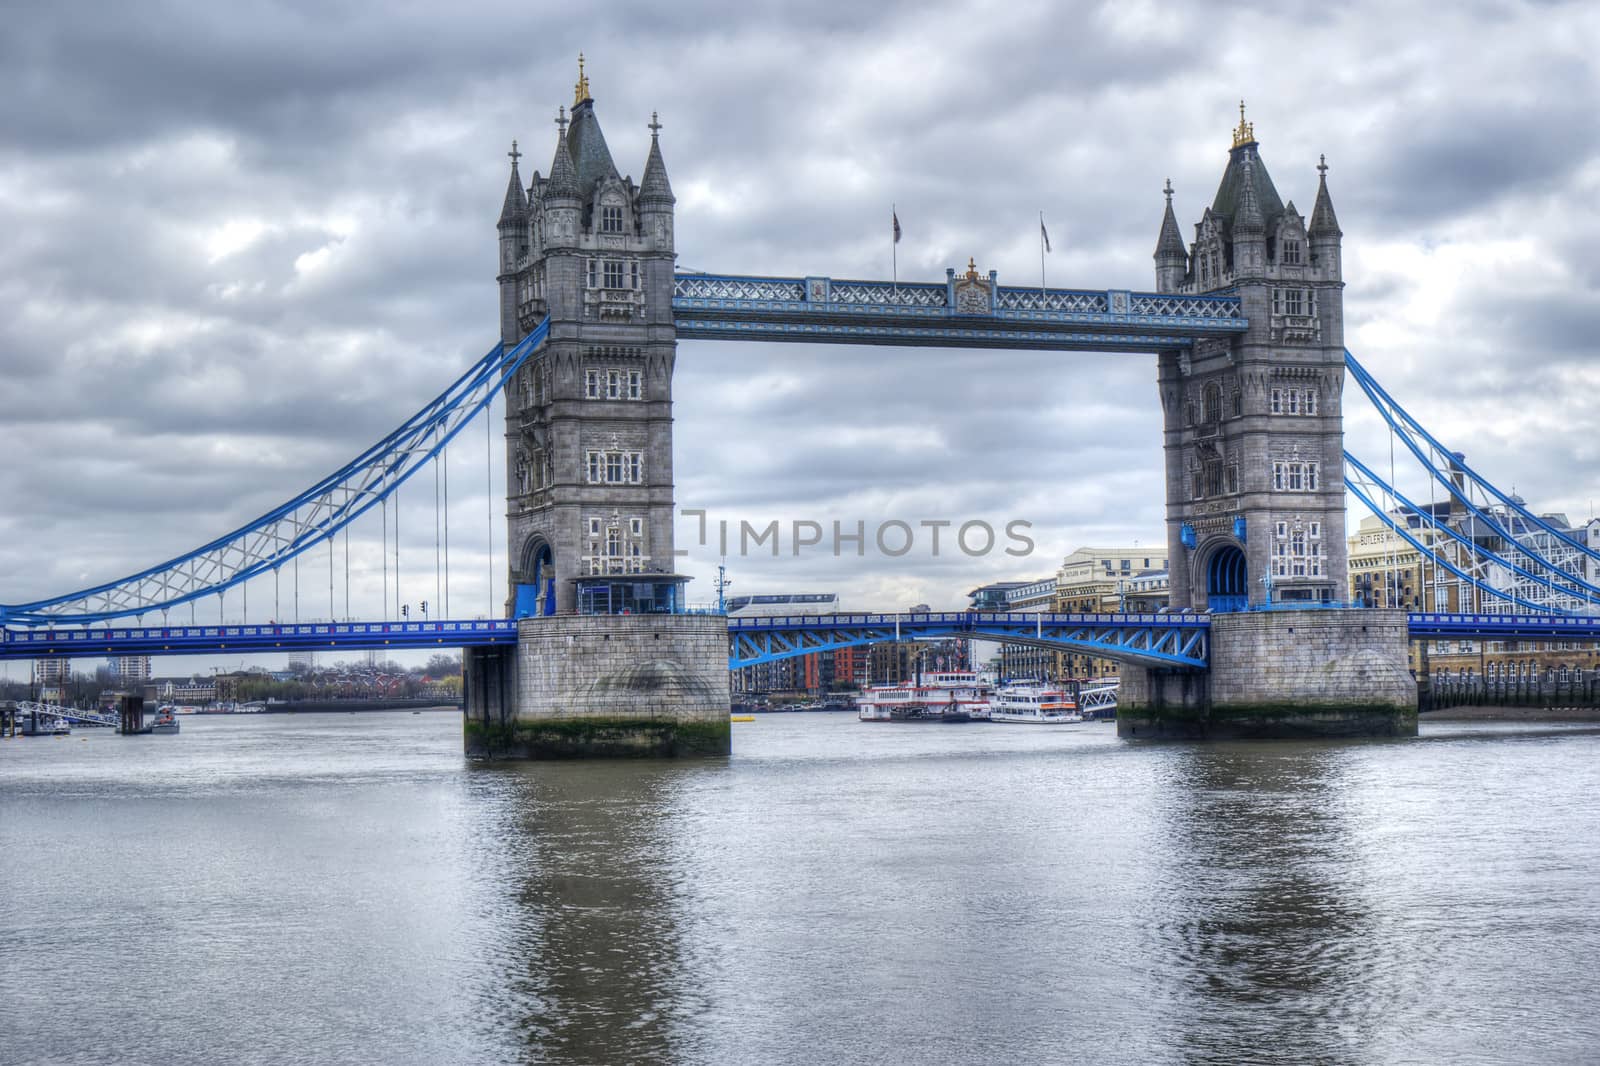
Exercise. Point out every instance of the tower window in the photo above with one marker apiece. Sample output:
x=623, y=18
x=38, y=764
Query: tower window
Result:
x=1311, y=401
x=635, y=385
x=615, y=468
x=613, y=273
x=593, y=267
x=1277, y=401
x=611, y=220
x=1291, y=253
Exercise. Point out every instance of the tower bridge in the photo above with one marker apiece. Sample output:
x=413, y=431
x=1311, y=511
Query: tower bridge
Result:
x=598, y=654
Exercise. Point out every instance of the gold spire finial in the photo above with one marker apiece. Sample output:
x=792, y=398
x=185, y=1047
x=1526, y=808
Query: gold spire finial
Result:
x=580, y=91
x=1246, y=133
x=972, y=268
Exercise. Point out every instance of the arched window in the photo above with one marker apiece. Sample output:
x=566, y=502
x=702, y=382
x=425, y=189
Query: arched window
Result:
x=1213, y=402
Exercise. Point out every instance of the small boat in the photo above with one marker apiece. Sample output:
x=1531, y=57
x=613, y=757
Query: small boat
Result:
x=1030, y=702
x=45, y=725
x=165, y=721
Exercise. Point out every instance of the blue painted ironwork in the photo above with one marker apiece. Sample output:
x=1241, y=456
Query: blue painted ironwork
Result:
x=303, y=522
x=1227, y=584
x=1164, y=640
x=1446, y=467
x=1431, y=553
x=200, y=639
x=818, y=309
x=1427, y=626
x=1359, y=487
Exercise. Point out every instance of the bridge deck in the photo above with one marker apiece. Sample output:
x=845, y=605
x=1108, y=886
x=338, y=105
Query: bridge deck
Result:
x=1166, y=639
x=826, y=310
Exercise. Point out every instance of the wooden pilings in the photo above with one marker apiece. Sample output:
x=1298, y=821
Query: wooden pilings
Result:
x=131, y=715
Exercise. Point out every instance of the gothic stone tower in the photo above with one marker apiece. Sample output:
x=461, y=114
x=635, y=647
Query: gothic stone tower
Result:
x=589, y=417
x=1254, y=446
x=1254, y=430
x=605, y=662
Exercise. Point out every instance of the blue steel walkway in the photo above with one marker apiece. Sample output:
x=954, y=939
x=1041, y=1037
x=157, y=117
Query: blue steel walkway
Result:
x=963, y=311
x=1168, y=640
x=201, y=639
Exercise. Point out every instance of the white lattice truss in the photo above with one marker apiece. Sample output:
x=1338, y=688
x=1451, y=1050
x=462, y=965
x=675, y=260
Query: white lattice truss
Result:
x=50, y=710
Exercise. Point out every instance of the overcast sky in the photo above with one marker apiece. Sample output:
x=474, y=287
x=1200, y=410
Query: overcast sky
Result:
x=243, y=241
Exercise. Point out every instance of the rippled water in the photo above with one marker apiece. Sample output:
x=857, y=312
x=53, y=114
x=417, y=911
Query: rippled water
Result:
x=345, y=889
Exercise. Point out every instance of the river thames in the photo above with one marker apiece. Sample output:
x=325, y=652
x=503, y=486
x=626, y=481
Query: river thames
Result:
x=347, y=889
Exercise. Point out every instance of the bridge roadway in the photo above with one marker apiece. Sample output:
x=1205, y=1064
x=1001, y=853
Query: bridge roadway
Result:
x=1170, y=640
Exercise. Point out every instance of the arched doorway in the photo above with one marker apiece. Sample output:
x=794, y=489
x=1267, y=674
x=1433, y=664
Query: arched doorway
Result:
x=536, y=597
x=1226, y=580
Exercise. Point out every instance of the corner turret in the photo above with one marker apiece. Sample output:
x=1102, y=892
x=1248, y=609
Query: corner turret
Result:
x=514, y=233
x=1324, y=232
x=1172, y=262
x=655, y=193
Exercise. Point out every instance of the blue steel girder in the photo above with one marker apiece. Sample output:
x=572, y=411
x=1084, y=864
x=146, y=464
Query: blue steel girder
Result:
x=204, y=639
x=1437, y=626
x=825, y=310
x=1145, y=639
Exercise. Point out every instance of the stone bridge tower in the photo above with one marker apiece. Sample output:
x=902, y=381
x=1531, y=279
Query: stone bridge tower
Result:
x=589, y=417
x=1254, y=445
x=606, y=661
x=1254, y=427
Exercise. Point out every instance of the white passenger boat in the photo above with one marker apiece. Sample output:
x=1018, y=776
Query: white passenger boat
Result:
x=1033, y=703
x=946, y=696
x=165, y=721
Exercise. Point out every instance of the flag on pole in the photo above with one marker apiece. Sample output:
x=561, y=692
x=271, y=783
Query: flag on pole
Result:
x=1044, y=234
x=896, y=216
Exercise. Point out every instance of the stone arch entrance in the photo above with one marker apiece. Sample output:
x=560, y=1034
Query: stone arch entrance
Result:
x=1227, y=580
x=536, y=593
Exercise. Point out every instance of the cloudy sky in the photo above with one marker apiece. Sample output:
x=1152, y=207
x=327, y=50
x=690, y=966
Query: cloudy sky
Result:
x=245, y=240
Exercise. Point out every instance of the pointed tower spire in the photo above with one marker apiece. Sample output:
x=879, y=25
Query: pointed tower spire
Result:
x=1248, y=222
x=1172, y=261
x=563, y=180
x=1324, y=223
x=654, y=187
x=1170, y=243
x=515, y=210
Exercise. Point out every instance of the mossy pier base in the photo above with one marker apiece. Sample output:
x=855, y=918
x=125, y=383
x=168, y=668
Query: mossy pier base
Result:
x=1282, y=674
x=596, y=686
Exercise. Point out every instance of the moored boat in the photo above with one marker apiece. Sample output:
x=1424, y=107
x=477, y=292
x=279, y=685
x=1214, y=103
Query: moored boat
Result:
x=947, y=696
x=1033, y=703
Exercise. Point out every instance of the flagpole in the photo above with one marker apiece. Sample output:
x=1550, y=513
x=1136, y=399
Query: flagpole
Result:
x=1041, y=260
x=894, y=246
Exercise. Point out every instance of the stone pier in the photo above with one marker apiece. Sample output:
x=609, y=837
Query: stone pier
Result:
x=1312, y=673
x=601, y=685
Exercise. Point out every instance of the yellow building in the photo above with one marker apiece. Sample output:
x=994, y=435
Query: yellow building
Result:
x=1106, y=581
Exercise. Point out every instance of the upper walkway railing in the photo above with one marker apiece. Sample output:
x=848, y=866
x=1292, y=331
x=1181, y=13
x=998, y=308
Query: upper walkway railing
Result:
x=963, y=311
